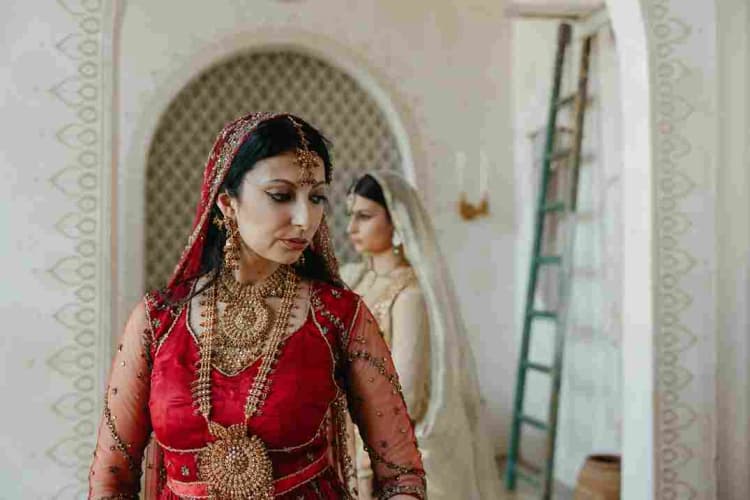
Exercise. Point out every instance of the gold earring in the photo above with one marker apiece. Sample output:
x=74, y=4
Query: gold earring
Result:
x=398, y=244
x=232, y=244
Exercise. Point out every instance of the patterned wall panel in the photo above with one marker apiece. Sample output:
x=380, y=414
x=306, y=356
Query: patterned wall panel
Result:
x=274, y=81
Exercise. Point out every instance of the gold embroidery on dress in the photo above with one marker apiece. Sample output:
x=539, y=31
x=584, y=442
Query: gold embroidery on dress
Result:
x=119, y=442
x=379, y=365
x=318, y=305
x=401, y=279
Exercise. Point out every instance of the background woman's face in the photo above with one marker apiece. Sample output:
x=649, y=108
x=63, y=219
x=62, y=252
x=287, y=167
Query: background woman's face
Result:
x=370, y=228
x=277, y=216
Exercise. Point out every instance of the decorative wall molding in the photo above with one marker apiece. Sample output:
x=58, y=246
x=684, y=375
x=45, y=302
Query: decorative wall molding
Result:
x=684, y=327
x=84, y=178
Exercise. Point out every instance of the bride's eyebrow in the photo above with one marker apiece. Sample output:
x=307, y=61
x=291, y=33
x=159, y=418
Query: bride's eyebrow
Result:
x=292, y=184
x=282, y=181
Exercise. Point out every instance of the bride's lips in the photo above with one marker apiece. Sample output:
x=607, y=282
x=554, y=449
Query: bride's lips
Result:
x=296, y=244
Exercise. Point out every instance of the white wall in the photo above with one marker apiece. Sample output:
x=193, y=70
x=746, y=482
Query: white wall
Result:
x=734, y=241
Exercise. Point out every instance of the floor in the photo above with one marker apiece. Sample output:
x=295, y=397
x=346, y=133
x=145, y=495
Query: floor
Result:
x=527, y=492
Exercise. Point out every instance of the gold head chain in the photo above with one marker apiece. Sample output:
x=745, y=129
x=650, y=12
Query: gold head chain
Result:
x=306, y=158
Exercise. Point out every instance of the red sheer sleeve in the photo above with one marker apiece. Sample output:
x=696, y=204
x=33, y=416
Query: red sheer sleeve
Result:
x=378, y=408
x=125, y=426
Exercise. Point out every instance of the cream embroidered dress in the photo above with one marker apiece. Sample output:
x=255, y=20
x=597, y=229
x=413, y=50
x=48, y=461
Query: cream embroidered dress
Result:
x=415, y=307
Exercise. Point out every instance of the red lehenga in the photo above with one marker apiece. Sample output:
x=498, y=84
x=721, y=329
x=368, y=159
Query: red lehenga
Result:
x=335, y=360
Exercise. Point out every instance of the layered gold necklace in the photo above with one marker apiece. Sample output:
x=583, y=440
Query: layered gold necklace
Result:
x=246, y=322
x=236, y=466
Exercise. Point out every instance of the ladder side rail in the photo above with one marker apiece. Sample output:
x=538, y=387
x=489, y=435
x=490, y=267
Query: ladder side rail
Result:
x=565, y=282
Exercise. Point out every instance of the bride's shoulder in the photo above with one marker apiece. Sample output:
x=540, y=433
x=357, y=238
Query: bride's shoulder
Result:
x=411, y=296
x=336, y=298
x=332, y=293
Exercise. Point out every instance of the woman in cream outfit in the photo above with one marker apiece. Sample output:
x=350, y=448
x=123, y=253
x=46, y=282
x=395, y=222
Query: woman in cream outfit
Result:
x=405, y=283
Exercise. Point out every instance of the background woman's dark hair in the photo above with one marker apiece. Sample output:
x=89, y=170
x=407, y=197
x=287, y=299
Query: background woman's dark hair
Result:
x=367, y=187
x=271, y=138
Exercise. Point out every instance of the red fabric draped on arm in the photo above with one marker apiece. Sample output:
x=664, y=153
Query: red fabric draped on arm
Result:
x=377, y=407
x=125, y=426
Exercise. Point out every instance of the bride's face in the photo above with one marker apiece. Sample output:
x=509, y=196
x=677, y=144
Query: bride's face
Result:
x=276, y=214
x=370, y=228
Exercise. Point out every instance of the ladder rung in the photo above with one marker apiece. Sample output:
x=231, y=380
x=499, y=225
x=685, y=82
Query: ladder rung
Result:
x=558, y=206
x=533, y=422
x=560, y=129
x=538, y=367
x=543, y=314
x=567, y=100
x=549, y=260
x=529, y=478
x=559, y=155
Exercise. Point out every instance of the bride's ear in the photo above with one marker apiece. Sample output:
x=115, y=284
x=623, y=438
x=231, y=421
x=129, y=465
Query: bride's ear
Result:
x=226, y=204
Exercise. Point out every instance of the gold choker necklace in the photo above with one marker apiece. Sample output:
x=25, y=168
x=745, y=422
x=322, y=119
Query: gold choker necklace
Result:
x=242, y=330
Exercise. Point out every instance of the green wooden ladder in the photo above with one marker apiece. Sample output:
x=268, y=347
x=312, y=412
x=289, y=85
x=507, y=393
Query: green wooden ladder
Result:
x=549, y=205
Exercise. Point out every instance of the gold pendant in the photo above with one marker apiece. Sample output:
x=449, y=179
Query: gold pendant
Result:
x=242, y=333
x=245, y=323
x=236, y=466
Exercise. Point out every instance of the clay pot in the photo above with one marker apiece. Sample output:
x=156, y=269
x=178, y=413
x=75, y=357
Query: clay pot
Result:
x=599, y=478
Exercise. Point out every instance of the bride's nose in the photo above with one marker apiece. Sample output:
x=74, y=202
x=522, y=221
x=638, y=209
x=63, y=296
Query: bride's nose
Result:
x=301, y=216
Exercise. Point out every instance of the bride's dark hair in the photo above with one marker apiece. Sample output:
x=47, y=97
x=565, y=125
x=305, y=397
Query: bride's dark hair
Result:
x=272, y=137
x=367, y=187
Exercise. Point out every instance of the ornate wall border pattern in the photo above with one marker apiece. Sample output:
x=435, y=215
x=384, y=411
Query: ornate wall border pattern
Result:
x=84, y=180
x=675, y=417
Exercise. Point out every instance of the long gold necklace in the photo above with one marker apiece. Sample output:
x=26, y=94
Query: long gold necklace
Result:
x=236, y=466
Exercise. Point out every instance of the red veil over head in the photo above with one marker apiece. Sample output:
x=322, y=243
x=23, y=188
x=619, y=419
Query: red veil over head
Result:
x=225, y=148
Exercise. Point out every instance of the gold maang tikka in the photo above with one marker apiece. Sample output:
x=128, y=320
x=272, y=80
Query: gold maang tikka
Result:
x=306, y=158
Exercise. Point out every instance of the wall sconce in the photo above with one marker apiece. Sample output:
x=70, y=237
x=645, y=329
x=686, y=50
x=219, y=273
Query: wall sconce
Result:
x=471, y=211
x=466, y=209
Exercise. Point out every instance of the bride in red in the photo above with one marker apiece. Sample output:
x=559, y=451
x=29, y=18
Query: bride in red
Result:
x=241, y=371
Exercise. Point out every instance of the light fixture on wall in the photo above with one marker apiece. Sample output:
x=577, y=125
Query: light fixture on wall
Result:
x=466, y=209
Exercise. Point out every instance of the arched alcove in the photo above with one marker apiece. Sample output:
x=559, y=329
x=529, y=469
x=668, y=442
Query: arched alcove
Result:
x=255, y=80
